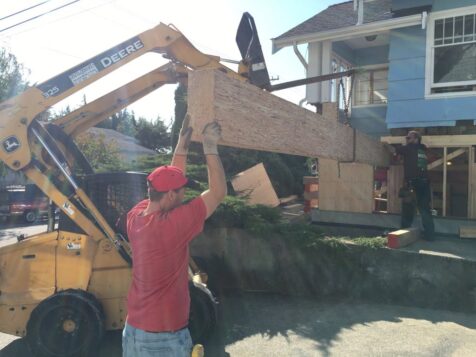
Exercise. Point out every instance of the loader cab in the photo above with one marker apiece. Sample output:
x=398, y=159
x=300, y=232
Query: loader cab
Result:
x=114, y=194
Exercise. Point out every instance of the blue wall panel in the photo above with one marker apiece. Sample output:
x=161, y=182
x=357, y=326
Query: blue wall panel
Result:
x=408, y=68
x=437, y=4
x=451, y=4
x=370, y=120
x=371, y=55
x=344, y=51
x=407, y=106
x=434, y=112
x=407, y=42
x=409, y=89
x=405, y=4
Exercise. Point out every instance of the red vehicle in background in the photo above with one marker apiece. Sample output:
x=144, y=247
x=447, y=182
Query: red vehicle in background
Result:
x=26, y=202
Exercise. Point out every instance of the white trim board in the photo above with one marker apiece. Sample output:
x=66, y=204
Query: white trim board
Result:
x=348, y=32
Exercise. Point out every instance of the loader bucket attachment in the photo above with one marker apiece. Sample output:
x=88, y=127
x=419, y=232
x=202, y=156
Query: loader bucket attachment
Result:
x=250, y=48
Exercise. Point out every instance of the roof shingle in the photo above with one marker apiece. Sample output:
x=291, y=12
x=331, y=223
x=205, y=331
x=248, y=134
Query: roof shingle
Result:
x=339, y=16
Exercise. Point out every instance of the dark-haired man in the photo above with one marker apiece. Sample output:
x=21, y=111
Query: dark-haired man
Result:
x=416, y=192
x=159, y=230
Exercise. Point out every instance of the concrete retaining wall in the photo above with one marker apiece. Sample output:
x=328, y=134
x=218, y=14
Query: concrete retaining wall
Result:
x=237, y=260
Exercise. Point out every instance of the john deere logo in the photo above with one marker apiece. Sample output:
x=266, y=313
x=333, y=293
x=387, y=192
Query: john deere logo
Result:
x=10, y=144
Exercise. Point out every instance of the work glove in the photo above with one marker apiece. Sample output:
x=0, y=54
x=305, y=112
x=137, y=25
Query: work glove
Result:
x=185, y=136
x=211, y=134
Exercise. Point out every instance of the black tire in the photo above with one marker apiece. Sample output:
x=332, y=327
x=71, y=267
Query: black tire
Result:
x=30, y=216
x=68, y=324
x=203, y=313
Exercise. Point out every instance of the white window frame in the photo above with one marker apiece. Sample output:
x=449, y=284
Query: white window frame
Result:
x=429, y=62
x=374, y=67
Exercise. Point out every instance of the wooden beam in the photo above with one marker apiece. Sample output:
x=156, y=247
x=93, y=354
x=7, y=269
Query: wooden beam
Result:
x=472, y=184
x=394, y=183
x=252, y=118
x=436, y=140
x=402, y=237
x=467, y=232
x=445, y=179
x=451, y=156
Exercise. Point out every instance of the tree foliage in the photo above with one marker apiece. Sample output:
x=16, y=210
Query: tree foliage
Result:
x=180, y=111
x=102, y=154
x=12, y=80
x=153, y=135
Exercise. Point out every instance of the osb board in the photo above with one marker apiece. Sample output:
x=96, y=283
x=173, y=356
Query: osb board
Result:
x=467, y=232
x=345, y=187
x=394, y=183
x=255, y=119
x=254, y=184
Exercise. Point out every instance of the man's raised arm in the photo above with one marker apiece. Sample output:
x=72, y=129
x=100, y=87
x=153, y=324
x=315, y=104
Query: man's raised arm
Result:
x=179, y=158
x=216, y=176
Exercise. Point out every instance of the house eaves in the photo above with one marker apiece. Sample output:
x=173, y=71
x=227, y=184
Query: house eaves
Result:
x=345, y=33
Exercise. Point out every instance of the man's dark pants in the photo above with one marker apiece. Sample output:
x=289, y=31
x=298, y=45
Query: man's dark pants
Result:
x=421, y=200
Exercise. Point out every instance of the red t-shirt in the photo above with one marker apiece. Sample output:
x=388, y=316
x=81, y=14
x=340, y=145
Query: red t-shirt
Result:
x=158, y=298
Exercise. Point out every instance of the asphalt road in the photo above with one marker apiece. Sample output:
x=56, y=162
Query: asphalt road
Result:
x=253, y=324
x=270, y=325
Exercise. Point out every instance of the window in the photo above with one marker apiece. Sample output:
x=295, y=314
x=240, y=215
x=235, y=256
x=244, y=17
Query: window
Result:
x=453, y=54
x=340, y=92
x=371, y=87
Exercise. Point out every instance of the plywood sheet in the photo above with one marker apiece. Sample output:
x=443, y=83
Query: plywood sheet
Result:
x=255, y=119
x=467, y=232
x=345, y=187
x=394, y=183
x=255, y=185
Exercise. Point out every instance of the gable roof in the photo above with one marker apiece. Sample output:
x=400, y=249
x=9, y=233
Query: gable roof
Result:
x=128, y=147
x=340, y=16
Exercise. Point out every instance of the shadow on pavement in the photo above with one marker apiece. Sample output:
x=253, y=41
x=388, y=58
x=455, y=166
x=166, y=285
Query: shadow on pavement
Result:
x=249, y=314
x=17, y=348
x=272, y=315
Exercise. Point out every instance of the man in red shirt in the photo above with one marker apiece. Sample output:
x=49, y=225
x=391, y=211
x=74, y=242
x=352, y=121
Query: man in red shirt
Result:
x=159, y=230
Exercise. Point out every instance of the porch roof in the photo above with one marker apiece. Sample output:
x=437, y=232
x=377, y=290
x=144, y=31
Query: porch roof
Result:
x=337, y=20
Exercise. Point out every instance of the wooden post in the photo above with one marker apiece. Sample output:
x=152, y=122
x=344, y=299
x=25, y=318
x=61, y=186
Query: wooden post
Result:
x=471, y=185
x=445, y=171
x=394, y=183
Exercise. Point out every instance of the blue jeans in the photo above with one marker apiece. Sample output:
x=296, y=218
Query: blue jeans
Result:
x=140, y=343
x=422, y=201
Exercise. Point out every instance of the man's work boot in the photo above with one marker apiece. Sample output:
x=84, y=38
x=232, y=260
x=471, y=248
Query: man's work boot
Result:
x=198, y=351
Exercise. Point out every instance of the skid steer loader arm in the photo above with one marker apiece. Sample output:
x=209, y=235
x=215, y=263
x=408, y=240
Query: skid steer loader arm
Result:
x=17, y=113
x=29, y=145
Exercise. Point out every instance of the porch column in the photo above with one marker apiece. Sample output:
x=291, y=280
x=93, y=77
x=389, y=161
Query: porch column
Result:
x=326, y=69
x=314, y=68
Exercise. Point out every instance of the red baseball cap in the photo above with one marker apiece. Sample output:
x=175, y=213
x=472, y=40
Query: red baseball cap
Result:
x=166, y=178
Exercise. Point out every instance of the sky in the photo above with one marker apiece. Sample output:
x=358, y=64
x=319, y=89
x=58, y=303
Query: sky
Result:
x=81, y=29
